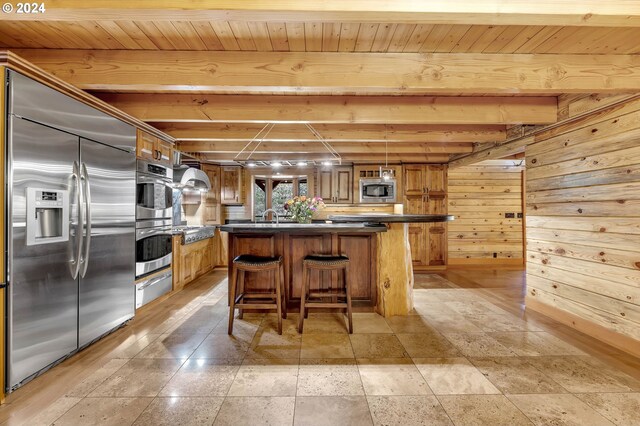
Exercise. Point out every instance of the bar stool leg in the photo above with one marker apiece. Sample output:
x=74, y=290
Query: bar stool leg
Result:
x=232, y=297
x=241, y=277
x=276, y=276
x=303, y=296
x=347, y=289
x=286, y=291
x=307, y=290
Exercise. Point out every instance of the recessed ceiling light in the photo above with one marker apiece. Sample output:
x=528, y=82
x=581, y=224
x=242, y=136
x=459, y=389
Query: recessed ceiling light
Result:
x=251, y=164
x=302, y=163
x=327, y=163
x=276, y=164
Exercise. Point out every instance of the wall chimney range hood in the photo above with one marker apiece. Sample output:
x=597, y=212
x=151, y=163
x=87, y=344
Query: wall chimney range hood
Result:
x=185, y=177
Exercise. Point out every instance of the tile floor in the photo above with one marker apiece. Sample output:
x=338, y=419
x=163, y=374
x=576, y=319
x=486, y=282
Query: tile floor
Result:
x=458, y=360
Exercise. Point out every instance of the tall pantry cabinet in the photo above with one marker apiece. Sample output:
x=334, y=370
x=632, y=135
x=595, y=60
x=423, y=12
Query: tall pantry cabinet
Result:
x=425, y=192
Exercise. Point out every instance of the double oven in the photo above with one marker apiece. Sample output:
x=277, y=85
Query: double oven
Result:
x=154, y=210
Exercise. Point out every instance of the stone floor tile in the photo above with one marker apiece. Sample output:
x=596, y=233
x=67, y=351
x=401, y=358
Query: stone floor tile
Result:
x=451, y=376
x=391, y=376
x=132, y=349
x=329, y=377
x=497, y=323
x=173, y=345
x=104, y=412
x=223, y=346
x=621, y=408
x=369, y=322
x=138, y=377
x=91, y=382
x=202, y=377
x=577, y=375
x=266, y=377
x=332, y=410
x=515, y=375
x=377, y=346
x=52, y=412
x=326, y=346
x=267, y=343
x=256, y=411
x=558, y=409
x=409, y=324
x=483, y=410
x=183, y=411
x=326, y=323
x=477, y=345
x=535, y=344
x=407, y=411
x=427, y=345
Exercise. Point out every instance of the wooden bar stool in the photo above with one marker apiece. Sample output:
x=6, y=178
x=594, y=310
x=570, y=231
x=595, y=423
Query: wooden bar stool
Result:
x=323, y=262
x=272, y=300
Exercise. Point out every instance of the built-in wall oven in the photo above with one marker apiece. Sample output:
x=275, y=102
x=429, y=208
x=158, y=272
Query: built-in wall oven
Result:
x=153, y=246
x=154, y=208
x=154, y=192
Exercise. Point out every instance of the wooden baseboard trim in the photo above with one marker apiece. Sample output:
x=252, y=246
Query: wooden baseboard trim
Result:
x=485, y=262
x=617, y=340
x=430, y=268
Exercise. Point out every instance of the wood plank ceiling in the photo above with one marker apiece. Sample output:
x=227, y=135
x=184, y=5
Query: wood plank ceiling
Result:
x=364, y=76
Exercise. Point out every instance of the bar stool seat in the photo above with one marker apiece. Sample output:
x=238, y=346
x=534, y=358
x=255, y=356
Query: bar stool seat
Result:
x=324, y=262
x=239, y=298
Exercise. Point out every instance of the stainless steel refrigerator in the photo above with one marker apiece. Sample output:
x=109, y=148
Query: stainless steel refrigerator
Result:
x=70, y=226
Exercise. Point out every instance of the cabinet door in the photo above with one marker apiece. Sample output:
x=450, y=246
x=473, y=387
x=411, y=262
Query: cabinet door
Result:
x=343, y=184
x=418, y=237
x=213, y=173
x=325, y=186
x=414, y=204
x=165, y=152
x=176, y=263
x=414, y=179
x=230, y=185
x=188, y=272
x=145, y=145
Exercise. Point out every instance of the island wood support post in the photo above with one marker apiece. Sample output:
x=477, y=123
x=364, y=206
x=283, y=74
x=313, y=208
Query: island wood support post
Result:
x=395, y=271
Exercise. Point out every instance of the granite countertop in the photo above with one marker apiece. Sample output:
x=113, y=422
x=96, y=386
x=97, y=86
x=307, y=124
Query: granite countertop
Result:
x=302, y=228
x=390, y=218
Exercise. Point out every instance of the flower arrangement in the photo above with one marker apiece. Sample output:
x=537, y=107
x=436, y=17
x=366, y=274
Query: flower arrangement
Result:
x=302, y=208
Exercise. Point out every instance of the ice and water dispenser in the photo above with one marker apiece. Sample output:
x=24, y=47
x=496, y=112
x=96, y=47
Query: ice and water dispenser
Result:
x=47, y=216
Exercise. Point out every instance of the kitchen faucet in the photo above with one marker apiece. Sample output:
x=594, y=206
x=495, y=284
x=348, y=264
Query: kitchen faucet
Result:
x=272, y=211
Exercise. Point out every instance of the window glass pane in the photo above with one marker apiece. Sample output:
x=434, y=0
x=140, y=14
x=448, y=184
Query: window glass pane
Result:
x=302, y=187
x=282, y=191
x=259, y=198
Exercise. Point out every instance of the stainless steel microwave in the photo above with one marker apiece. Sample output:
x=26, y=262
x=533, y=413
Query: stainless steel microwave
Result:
x=377, y=190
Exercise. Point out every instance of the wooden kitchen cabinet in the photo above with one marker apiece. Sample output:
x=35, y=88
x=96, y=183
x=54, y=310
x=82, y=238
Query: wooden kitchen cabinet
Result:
x=425, y=192
x=191, y=260
x=211, y=199
x=335, y=185
x=149, y=147
x=231, y=185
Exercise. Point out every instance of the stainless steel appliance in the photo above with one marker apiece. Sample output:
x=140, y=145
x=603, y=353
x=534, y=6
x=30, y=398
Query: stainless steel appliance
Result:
x=193, y=234
x=153, y=287
x=70, y=231
x=153, y=246
x=377, y=190
x=153, y=190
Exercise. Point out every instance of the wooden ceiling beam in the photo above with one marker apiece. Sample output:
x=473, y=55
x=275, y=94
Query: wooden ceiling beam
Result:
x=486, y=12
x=334, y=73
x=315, y=147
x=348, y=157
x=335, y=109
x=334, y=132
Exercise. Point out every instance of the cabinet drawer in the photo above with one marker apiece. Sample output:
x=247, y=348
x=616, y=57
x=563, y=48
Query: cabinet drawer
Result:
x=152, y=288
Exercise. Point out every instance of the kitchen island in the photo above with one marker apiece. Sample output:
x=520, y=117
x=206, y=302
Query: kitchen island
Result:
x=294, y=241
x=380, y=270
x=394, y=265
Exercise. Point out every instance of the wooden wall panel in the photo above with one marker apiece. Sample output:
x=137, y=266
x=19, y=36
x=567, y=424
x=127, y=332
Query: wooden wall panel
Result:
x=583, y=223
x=479, y=197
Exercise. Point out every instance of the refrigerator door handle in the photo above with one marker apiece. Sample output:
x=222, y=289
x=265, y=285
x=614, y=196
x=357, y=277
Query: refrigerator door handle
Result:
x=86, y=184
x=75, y=261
